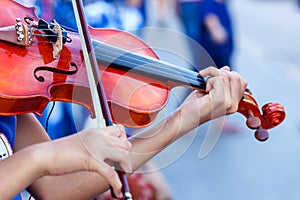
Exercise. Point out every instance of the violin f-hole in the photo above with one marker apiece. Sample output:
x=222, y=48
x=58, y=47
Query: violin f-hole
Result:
x=54, y=70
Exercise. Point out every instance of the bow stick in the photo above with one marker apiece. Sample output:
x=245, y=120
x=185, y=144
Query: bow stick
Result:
x=102, y=111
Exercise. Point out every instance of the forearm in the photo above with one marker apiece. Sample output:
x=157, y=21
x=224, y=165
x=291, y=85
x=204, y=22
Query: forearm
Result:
x=19, y=171
x=78, y=185
x=82, y=185
x=30, y=133
x=147, y=144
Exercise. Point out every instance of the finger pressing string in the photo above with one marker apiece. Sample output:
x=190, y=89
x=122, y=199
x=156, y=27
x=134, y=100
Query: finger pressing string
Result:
x=227, y=68
x=210, y=71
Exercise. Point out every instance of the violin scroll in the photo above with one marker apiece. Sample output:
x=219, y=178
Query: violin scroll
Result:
x=272, y=115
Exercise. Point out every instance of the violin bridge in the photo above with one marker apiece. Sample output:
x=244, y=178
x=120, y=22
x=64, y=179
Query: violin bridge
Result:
x=18, y=34
x=57, y=46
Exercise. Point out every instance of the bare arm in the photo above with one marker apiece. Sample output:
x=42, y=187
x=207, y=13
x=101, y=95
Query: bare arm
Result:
x=224, y=92
x=36, y=157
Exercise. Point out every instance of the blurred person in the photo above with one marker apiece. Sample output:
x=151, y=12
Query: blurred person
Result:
x=208, y=23
x=217, y=34
x=191, y=13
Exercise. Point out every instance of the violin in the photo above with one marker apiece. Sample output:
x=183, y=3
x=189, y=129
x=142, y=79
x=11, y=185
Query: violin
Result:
x=41, y=62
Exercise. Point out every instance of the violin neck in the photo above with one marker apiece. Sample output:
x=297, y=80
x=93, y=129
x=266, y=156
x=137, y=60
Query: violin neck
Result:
x=147, y=66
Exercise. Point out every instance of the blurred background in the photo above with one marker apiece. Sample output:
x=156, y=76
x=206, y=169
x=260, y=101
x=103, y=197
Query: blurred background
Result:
x=262, y=40
x=267, y=54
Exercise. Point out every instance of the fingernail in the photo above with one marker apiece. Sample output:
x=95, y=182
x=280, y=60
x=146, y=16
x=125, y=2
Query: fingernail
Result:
x=120, y=195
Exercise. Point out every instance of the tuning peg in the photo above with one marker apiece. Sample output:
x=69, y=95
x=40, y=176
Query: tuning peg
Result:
x=252, y=121
x=261, y=134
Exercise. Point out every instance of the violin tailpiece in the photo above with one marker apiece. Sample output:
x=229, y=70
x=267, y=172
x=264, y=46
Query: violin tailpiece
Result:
x=18, y=34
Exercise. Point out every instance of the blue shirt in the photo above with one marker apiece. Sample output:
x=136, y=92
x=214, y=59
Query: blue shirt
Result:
x=8, y=128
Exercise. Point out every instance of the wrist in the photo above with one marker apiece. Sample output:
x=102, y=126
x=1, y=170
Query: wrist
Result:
x=190, y=115
x=39, y=155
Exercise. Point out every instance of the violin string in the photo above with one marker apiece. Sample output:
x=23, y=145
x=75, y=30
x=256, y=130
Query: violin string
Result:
x=155, y=62
x=167, y=69
x=150, y=60
x=55, y=29
x=42, y=35
x=68, y=28
x=148, y=69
